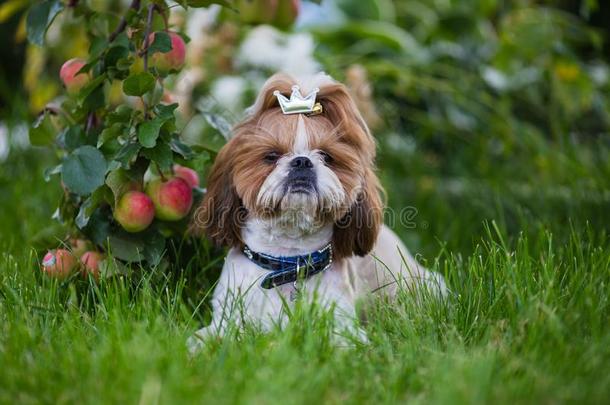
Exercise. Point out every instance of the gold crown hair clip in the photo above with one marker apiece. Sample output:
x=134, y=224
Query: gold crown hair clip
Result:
x=297, y=104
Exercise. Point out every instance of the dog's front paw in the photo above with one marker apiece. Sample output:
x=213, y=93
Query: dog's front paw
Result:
x=195, y=343
x=436, y=284
x=349, y=338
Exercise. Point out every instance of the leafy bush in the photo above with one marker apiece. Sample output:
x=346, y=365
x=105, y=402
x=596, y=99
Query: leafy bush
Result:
x=115, y=129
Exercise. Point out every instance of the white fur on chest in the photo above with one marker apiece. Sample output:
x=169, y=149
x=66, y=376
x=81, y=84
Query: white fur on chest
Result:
x=270, y=237
x=239, y=291
x=238, y=297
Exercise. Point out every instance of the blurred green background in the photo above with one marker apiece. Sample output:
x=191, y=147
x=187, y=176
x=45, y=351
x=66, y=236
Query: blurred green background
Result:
x=484, y=110
x=493, y=124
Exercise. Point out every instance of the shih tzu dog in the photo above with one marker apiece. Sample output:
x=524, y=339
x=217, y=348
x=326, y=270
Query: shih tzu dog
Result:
x=295, y=196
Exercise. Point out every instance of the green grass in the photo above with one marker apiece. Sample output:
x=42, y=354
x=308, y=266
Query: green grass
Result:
x=528, y=321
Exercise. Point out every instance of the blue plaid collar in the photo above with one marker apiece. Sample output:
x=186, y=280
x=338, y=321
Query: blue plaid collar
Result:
x=289, y=269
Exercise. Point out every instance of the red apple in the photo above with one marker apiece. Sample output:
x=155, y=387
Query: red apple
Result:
x=79, y=246
x=257, y=11
x=91, y=260
x=70, y=77
x=172, y=60
x=134, y=211
x=287, y=13
x=188, y=175
x=172, y=198
x=59, y=263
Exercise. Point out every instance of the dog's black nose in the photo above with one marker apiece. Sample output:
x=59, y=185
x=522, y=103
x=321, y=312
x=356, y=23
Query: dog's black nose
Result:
x=301, y=162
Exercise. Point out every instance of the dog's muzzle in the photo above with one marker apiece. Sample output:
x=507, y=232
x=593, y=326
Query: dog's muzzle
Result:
x=301, y=177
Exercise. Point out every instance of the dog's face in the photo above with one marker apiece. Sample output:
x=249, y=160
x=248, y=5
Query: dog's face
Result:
x=296, y=168
x=301, y=171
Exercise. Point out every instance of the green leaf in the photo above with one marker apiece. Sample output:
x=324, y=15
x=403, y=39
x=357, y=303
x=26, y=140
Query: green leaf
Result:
x=43, y=131
x=207, y=3
x=88, y=207
x=154, y=249
x=91, y=86
x=126, y=247
x=50, y=171
x=120, y=115
x=138, y=84
x=127, y=153
x=165, y=112
x=99, y=226
x=148, y=132
x=218, y=122
x=123, y=39
x=84, y=170
x=95, y=99
x=123, y=65
x=109, y=133
x=181, y=148
x=40, y=17
x=117, y=180
x=160, y=154
x=98, y=45
x=115, y=54
x=73, y=137
x=162, y=43
x=120, y=181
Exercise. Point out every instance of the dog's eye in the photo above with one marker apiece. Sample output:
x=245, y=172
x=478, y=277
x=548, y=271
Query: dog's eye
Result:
x=271, y=157
x=328, y=159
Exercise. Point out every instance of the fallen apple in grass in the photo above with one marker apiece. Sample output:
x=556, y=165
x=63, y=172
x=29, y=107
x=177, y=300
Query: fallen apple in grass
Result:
x=79, y=246
x=134, y=211
x=59, y=263
x=70, y=77
x=91, y=261
x=172, y=60
x=188, y=175
x=172, y=198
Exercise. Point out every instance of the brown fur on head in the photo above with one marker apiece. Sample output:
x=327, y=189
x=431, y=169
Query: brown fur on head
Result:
x=250, y=174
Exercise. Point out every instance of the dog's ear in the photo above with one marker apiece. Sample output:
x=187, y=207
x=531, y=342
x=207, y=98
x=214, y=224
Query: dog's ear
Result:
x=356, y=232
x=221, y=213
x=341, y=110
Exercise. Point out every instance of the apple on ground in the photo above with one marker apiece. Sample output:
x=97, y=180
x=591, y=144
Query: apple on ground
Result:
x=59, y=263
x=91, y=261
x=172, y=60
x=188, y=175
x=134, y=211
x=79, y=246
x=70, y=77
x=172, y=198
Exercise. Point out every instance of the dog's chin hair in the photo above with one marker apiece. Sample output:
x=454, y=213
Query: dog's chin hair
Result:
x=328, y=202
x=299, y=211
x=304, y=211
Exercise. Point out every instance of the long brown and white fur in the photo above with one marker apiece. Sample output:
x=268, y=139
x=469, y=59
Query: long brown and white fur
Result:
x=249, y=201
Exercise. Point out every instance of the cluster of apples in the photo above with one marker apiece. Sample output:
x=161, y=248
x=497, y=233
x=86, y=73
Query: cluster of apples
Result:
x=280, y=13
x=74, y=80
x=168, y=199
x=62, y=263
